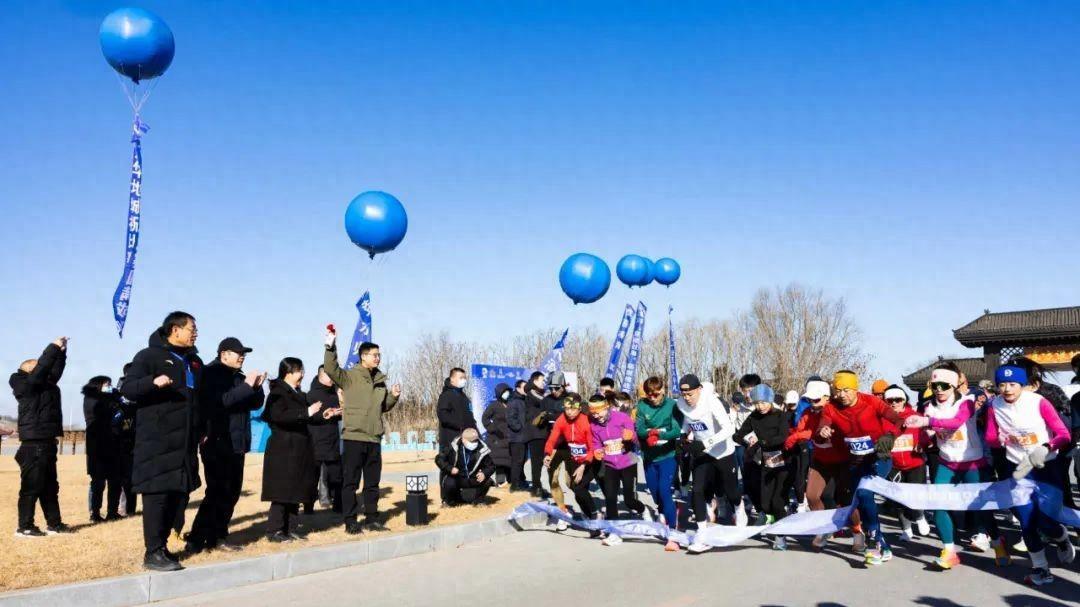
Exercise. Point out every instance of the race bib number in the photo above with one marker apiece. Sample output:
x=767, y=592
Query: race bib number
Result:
x=578, y=450
x=698, y=426
x=956, y=436
x=614, y=447
x=773, y=459
x=1028, y=439
x=751, y=438
x=904, y=443
x=860, y=445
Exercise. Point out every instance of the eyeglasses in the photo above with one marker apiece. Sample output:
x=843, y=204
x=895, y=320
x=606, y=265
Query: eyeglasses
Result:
x=895, y=401
x=940, y=385
x=654, y=394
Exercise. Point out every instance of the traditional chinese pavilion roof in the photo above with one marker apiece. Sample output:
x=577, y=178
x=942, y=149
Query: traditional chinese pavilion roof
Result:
x=1025, y=328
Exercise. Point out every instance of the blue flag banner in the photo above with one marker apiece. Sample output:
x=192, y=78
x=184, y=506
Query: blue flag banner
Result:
x=1001, y=495
x=612, y=370
x=552, y=363
x=363, y=329
x=671, y=353
x=482, y=384
x=629, y=377
x=260, y=432
x=122, y=297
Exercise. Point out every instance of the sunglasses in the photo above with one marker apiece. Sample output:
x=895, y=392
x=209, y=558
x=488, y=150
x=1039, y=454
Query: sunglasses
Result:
x=895, y=401
x=569, y=406
x=940, y=385
x=653, y=394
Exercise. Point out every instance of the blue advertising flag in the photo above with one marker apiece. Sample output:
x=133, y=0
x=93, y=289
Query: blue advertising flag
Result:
x=671, y=354
x=482, y=384
x=122, y=297
x=612, y=370
x=629, y=378
x=363, y=329
x=552, y=363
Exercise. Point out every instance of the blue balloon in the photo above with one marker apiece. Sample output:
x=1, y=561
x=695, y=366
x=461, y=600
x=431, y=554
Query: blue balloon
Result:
x=631, y=270
x=376, y=222
x=584, y=278
x=137, y=43
x=667, y=271
x=650, y=273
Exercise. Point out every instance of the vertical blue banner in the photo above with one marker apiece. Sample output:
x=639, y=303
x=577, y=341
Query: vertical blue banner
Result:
x=553, y=361
x=612, y=370
x=482, y=384
x=629, y=379
x=122, y=297
x=363, y=329
x=674, y=382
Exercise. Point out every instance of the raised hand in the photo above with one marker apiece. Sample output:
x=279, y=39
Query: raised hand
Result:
x=395, y=390
x=162, y=381
x=313, y=409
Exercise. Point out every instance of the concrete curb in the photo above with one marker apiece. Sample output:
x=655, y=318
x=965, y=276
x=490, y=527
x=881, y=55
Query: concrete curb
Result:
x=149, y=587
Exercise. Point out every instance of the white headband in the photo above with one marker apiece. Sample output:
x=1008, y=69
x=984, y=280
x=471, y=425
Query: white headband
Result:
x=944, y=375
x=895, y=393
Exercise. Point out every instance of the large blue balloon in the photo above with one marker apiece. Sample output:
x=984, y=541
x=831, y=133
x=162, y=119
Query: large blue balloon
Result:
x=632, y=270
x=376, y=222
x=137, y=43
x=650, y=273
x=584, y=278
x=667, y=271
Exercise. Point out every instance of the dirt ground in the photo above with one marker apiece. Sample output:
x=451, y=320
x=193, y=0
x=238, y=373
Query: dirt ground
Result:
x=116, y=548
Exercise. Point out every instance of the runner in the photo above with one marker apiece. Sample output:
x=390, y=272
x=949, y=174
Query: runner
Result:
x=764, y=433
x=960, y=457
x=1026, y=432
x=908, y=459
x=572, y=435
x=859, y=418
x=658, y=430
x=612, y=432
x=828, y=458
x=709, y=430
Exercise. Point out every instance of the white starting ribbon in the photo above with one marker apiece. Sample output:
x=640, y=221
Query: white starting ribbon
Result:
x=1001, y=495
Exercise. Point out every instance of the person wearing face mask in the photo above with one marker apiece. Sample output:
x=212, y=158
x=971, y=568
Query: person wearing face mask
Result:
x=709, y=430
x=1025, y=433
x=764, y=433
x=518, y=428
x=498, y=432
x=536, y=430
x=454, y=409
x=100, y=404
x=226, y=399
x=289, y=464
x=467, y=469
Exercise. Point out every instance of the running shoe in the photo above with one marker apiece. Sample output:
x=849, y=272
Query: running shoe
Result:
x=611, y=540
x=57, y=529
x=1065, y=550
x=819, y=541
x=741, y=520
x=1020, y=546
x=878, y=556
x=1001, y=553
x=769, y=519
x=980, y=542
x=858, y=543
x=561, y=525
x=29, y=532
x=948, y=559
x=1039, y=577
x=906, y=534
x=780, y=543
x=649, y=515
x=923, y=527
x=803, y=507
x=671, y=546
x=698, y=548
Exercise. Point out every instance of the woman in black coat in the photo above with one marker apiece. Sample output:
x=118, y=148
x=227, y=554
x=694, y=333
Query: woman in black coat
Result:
x=498, y=432
x=100, y=404
x=288, y=466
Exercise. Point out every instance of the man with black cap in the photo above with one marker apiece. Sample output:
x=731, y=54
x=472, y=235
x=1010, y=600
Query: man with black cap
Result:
x=226, y=399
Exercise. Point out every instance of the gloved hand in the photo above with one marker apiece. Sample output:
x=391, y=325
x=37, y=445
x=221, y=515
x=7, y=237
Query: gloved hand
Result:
x=697, y=448
x=1035, y=459
x=330, y=338
x=884, y=446
x=653, y=437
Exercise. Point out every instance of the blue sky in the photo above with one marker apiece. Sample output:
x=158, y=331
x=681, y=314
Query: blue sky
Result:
x=917, y=158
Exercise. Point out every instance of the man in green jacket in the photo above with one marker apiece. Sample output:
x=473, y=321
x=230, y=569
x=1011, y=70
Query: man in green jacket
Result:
x=658, y=431
x=366, y=399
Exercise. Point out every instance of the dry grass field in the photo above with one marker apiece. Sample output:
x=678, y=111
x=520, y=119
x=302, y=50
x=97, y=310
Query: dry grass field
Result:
x=115, y=548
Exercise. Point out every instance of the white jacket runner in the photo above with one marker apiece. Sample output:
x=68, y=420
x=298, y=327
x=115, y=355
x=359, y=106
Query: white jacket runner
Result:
x=709, y=422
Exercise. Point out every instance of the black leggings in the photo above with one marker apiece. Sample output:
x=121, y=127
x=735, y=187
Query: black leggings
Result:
x=627, y=477
x=517, y=464
x=773, y=500
x=581, y=489
x=916, y=476
x=536, y=462
x=717, y=478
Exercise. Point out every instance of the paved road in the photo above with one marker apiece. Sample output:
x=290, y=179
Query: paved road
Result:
x=540, y=568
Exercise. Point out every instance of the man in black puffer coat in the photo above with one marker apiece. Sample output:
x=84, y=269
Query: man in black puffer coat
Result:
x=40, y=423
x=162, y=383
x=454, y=410
x=326, y=442
x=226, y=399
